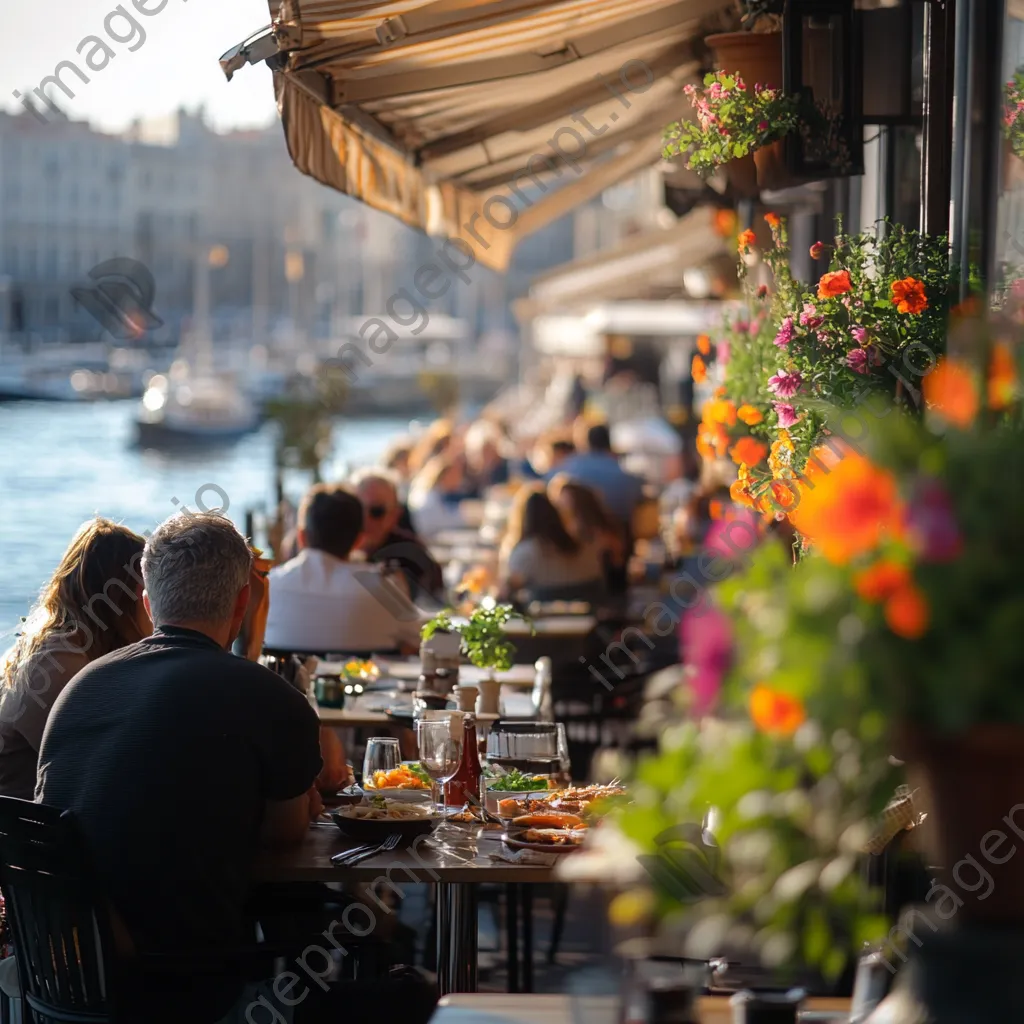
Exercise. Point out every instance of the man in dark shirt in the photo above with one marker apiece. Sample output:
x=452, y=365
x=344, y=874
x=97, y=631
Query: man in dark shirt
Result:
x=179, y=759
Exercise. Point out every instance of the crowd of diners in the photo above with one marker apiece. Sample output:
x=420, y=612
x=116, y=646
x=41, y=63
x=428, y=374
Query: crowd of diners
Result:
x=123, y=701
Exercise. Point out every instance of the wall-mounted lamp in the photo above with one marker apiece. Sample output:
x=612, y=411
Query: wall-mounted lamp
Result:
x=821, y=49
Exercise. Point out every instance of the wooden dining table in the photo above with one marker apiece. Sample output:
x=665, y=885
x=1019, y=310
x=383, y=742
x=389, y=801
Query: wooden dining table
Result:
x=456, y=864
x=560, y=1009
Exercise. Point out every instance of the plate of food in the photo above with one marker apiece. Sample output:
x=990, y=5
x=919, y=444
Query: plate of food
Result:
x=408, y=782
x=549, y=832
x=378, y=817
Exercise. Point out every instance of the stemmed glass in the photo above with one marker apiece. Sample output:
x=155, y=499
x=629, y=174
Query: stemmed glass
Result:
x=382, y=755
x=440, y=755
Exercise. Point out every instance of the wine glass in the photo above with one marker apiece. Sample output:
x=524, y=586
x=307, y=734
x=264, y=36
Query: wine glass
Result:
x=440, y=755
x=382, y=755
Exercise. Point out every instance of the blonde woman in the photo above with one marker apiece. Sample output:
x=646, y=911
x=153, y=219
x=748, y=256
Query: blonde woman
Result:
x=91, y=606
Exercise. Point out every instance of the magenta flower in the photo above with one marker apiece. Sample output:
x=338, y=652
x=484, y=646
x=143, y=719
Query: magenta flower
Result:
x=786, y=414
x=857, y=360
x=784, y=384
x=860, y=335
x=785, y=335
x=763, y=126
x=931, y=523
x=705, y=640
x=809, y=317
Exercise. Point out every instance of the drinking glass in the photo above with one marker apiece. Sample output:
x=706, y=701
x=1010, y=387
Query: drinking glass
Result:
x=440, y=755
x=382, y=754
x=563, y=749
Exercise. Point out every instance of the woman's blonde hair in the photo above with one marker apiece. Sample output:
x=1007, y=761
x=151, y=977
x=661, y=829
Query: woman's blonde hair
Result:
x=90, y=602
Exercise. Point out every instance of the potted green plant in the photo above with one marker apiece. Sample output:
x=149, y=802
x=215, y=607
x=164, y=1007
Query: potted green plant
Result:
x=733, y=120
x=482, y=635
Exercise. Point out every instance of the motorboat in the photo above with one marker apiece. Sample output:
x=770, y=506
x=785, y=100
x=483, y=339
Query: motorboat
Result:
x=186, y=409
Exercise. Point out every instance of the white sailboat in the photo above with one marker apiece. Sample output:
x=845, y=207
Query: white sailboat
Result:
x=193, y=404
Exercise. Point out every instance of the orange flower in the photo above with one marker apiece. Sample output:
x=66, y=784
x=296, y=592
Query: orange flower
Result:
x=816, y=250
x=746, y=240
x=834, y=284
x=949, y=389
x=772, y=220
x=775, y=712
x=881, y=580
x=739, y=492
x=906, y=612
x=748, y=452
x=720, y=410
x=719, y=392
x=779, y=461
x=749, y=415
x=725, y=223
x=1002, y=377
x=849, y=509
x=698, y=371
x=715, y=509
x=703, y=344
x=908, y=295
x=712, y=440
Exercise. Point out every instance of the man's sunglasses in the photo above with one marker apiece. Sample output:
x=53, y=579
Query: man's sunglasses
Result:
x=377, y=511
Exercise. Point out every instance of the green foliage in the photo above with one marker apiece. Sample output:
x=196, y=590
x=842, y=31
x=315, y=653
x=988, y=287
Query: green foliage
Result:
x=732, y=121
x=305, y=418
x=483, y=635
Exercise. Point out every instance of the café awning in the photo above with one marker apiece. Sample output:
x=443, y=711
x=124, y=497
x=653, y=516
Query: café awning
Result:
x=643, y=266
x=478, y=120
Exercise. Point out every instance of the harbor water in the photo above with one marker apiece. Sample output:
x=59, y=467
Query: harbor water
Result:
x=61, y=463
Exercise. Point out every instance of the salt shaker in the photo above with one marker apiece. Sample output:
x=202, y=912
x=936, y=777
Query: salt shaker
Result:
x=766, y=1007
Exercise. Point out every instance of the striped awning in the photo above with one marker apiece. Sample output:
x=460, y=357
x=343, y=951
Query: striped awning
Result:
x=479, y=121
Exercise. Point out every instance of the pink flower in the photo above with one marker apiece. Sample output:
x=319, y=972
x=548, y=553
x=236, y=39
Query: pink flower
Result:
x=722, y=352
x=763, y=126
x=809, y=317
x=860, y=335
x=715, y=90
x=857, y=360
x=705, y=636
x=785, y=412
x=784, y=384
x=931, y=523
x=785, y=335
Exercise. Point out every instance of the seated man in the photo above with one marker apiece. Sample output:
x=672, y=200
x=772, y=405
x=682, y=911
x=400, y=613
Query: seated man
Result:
x=179, y=759
x=321, y=602
x=385, y=541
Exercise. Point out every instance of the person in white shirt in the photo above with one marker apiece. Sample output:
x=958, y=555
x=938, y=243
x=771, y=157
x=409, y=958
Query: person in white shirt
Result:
x=323, y=603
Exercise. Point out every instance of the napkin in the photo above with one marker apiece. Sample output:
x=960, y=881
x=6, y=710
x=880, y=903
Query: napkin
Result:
x=530, y=857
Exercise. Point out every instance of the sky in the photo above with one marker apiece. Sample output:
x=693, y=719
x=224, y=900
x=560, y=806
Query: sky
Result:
x=176, y=66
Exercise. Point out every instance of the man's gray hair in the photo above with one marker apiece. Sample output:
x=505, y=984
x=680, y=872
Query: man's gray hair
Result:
x=374, y=474
x=194, y=567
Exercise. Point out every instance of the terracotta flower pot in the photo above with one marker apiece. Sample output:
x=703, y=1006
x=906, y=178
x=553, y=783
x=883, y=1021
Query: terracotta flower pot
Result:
x=972, y=788
x=755, y=56
x=772, y=172
x=743, y=177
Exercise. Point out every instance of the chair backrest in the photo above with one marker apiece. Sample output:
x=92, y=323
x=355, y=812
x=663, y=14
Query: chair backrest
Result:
x=59, y=921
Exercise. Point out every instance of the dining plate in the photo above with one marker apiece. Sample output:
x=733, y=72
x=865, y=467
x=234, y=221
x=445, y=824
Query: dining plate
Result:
x=408, y=796
x=378, y=829
x=517, y=844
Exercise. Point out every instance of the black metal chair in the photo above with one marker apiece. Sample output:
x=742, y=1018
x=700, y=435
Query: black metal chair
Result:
x=70, y=968
x=59, y=922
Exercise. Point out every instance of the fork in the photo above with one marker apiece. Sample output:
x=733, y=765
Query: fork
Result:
x=351, y=857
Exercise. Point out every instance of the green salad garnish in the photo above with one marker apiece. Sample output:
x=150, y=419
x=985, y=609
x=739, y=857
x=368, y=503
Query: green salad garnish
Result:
x=516, y=782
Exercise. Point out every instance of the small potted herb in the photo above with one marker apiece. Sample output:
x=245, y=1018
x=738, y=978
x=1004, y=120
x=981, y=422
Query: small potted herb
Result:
x=483, y=638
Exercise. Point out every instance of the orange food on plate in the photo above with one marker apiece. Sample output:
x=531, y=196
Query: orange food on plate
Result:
x=401, y=777
x=551, y=820
x=552, y=836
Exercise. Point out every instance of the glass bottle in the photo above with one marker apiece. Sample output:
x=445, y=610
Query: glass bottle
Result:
x=464, y=786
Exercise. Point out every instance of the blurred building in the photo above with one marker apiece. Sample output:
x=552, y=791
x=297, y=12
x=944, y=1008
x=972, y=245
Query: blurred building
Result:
x=300, y=257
